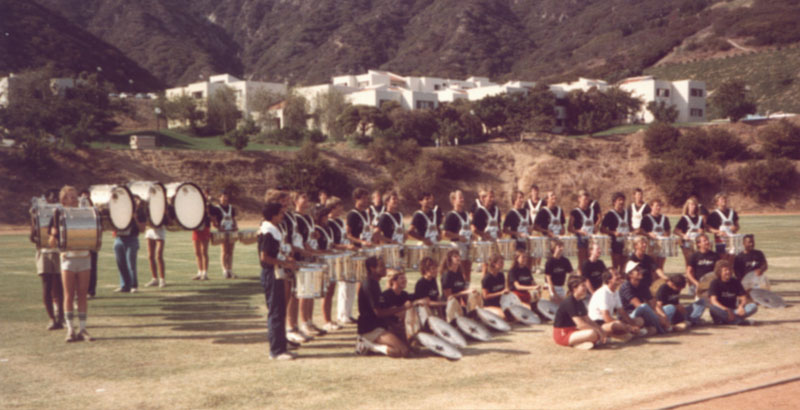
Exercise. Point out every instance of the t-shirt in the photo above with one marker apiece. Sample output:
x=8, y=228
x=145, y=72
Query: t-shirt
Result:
x=558, y=269
x=668, y=296
x=683, y=223
x=627, y=292
x=648, y=225
x=369, y=297
x=726, y=292
x=703, y=263
x=543, y=218
x=452, y=223
x=267, y=243
x=215, y=212
x=593, y=271
x=419, y=222
x=480, y=218
x=426, y=288
x=715, y=221
x=493, y=284
x=337, y=230
x=569, y=308
x=389, y=299
x=647, y=266
x=604, y=299
x=387, y=225
x=355, y=222
x=453, y=281
x=746, y=262
x=520, y=274
x=512, y=220
x=304, y=224
x=322, y=239
x=611, y=223
x=577, y=217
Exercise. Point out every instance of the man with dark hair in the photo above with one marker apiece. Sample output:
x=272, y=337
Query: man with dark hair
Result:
x=668, y=304
x=751, y=260
x=616, y=223
x=372, y=332
x=638, y=301
x=606, y=303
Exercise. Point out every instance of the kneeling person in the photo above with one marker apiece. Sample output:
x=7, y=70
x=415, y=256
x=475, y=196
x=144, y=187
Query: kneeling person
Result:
x=372, y=333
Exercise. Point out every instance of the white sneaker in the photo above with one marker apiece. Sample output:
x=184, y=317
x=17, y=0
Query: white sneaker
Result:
x=314, y=329
x=226, y=275
x=153, y=282
x=362, y=347
x=331, y=327
x=134, y=290
x=642, y=332
x=295, y=336
x=306, y=332
x=199, y=276
x=282, y=356
x=205, y=276
x=585, y=346
x=162, y=283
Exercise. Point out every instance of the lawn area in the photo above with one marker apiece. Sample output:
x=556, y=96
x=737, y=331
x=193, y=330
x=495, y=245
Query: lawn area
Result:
x=203, y=345
x=171, y=139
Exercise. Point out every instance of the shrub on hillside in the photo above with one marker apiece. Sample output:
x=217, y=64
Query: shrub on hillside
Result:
x=678, y=178
x=228, y=183
x=660, y=138
x=715, y=144
x=564, y=150
x=309, y=172
x=781, y=139
x=768, y=180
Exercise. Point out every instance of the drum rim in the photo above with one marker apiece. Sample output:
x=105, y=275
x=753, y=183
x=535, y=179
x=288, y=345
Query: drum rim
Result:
x=171, y=204
x=133, y=208
x=63, y=231
x=164, y=216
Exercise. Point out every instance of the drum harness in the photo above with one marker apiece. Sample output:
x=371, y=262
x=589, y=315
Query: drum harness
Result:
x=622, y=224
x=376, y=213
x=431, y=232
x=492, y=225
x=727, y=221
x=227, y=223
x=588, y=221
x=524, y=224
x=366, y=233
x=465, y=231
x=638, y=215
x=555, y=220
x=397, y=232
x=342, y=233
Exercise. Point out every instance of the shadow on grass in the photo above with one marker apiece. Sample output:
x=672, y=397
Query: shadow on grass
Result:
x=477, y=350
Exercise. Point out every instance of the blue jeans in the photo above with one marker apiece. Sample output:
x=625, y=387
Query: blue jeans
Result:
x=276, y=315
x=649, y=315
x=126, y=248
x=693, y=311
x=720, y=315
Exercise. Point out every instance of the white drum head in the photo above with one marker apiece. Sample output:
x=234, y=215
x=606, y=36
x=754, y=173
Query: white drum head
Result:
x=473, y=329
x=189, y=204
x=157, y=205
x=492, y=320
x=120, y=208
x=446, y=332
x=438, y=346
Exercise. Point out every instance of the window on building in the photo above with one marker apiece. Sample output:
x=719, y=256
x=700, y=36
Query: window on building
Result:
x=197, y=95
x=696, y=92
x=662, y=92
x=436, y=87
x=421, y=105
x=696, y=112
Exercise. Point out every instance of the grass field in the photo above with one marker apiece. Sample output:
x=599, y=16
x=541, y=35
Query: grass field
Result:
x=203, y=345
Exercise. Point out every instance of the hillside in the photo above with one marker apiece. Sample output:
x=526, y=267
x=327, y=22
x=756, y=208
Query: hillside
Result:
x=307, y=41
x=604, y=165
x=35, y=36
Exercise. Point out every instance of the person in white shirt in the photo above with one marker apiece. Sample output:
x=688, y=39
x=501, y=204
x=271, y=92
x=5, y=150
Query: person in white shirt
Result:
x=606, y=304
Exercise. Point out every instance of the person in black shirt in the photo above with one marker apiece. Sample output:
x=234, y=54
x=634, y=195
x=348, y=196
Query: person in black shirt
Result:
x=427, y=290
x=390, y=223
x=520, y=278
x=572, y=326
x=372, y=336
x=517, y=223
x=728, y=298
x=126, y=248
x=668, y=304
x=532, y=205
x=486, y=216
x=638, y=209
x=48, y=267
x=395, y=296
x=493, y=284
x=457, y=227
x=555, y=272
x=582, y=222
x=751, y=260
x=655, y=225
x=272, y=279
x=425, y=222
x=376, y=207
x=346, y=293
x=616, y=223
x=701, y=263
x=455, y=280
x=647, y=265
x=358, y=222
x=551, y=219
x=592, y=270
x=638, y=301
x=691, y=224
x=722, y=222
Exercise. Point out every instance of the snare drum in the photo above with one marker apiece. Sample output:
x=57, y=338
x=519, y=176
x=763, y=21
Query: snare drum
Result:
x=665, y=247
x=391, y=256
x=79, y=229
x=41, y=215
x=186, y=206
x=357, y=269
x=330, y=261
x=341, y=266
x=154, y=197
x=734, y=243
x=220, y=237
x=537, y=246
x=480, y=251
x=570, y=245
x=415, y=254
x=630, y=244
x=439, y=251
x=248, y=236
x=507, y=248
x=603, y=242
x=310, y=281
x=114, y=204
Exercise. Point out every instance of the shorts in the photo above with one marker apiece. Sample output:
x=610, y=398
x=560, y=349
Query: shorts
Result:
x=560, y=291
x=374, y=334
x=47, y=262
x=561, y=335
x=583, y=241
x=523, y=295
x=202, y=234
x=76, y=263
x=157, y=234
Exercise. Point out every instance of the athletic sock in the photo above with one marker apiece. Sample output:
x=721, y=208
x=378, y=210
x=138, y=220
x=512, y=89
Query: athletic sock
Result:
x=383, y=349
x=82, y=319
x=70, y=317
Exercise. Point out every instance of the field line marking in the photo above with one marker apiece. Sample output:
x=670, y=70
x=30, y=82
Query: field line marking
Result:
x=732, y=393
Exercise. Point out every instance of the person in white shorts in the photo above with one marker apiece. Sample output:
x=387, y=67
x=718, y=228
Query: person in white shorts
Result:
x=155, y=253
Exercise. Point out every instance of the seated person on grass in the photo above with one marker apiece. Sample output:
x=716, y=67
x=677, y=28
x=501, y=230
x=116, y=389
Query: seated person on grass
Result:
x=372, y=333
x=729, y=301
x=606, y=304
x=572, y=326
x=668, y=304
x=638, y=301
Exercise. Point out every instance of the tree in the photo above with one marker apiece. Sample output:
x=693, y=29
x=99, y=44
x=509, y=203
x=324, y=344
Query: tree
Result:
x=309, y=172
x=240, y=137
x=660, y=138
x=360, y=119
x=456, y=123
x=781, y=139
x=594, y=110
x=419, y=125
x=222, y=112
x=295, y=112
x=260, y=102
x=663, y=112
x=330, y=106
x=492, y=112
x=731, y=100
x=183, y=108
x=529, y=112
x=768, y=180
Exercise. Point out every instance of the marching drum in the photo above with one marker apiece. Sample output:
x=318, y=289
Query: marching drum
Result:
x=604, y=242
x=507, y=247
x=766, y=298
x=734, y=243
x=415, y=254
x=570, y=245
x=547, y=308
x=330, y=261
x=473, y=329
x=537, y=246
x=186, y=206
x=372, y=251
x=438, y=346
x=221, y=237
x=357, y=269
x=630, y=244
x=115, y=205
x=79, y=229
x=665, y=247
x=41, y=215
x=341, y=266
x=248, y=236
x=480, y=251
x=310, y=281
x=154, y=196
x=391, y=256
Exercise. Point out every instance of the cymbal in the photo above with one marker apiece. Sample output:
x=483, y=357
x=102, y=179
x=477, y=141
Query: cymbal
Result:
x=766, y=298
x=508, y=300
x=524, y=315
x=438, y=346
x=446, y=332
x=473, y=329
x=547, y=308
x=491, y=319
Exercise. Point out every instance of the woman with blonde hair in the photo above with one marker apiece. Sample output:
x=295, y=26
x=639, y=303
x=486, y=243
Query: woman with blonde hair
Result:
x=493, y=284
x=689, y=227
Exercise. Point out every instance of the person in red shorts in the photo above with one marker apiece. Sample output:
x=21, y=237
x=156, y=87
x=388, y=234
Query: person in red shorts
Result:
x=520, y=277
x=572, y=326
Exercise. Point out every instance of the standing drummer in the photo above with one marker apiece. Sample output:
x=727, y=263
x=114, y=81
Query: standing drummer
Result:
x=691, y=224
x=48, y=267
x=425, y=222
x=377, y=207
x=486, y=216
x=457, y=229
x=200, y=238
x=346, y=292
x=390, y=224
x=517, y=223
x=616, y=223
x=638, y=209
x=582, y=221
x=304, y=239
x=550, y=220
x=532, y=205
x=722, y=222
x=655, y=225
x=126, y=249
x=85, y=201
x=223, y=217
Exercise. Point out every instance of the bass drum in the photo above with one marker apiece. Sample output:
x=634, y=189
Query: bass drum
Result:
x=79, y=229
x=115, y=205
x=41, y=215
x=186, y=206
x=154, y=196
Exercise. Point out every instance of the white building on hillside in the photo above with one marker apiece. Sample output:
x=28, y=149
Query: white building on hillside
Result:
x=583, y=84
x=244, y=91
x=687, y=96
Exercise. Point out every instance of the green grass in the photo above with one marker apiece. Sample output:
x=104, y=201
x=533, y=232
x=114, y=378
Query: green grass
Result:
x=172, y=139
x=771, y=75
x=203, y=345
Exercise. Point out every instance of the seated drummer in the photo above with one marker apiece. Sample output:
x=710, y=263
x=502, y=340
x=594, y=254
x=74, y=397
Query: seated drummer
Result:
x=455, y=283
x=520, y=279
x=606, y=304
x=518, y=222
x=638, y=302
x=390, y=222
x=647, y=264
x=572, y=325
x=668, y=304
x=427, y=290
x=533, y=204
x=582, y=222
x=729, y=302
x=425, y=222
x=701, y=263
x=393, y=297
x=593, y=269
x=556, y=270
x=486, y=216
x=493, y=284
x=550, y=220
x=751, y=260
x=372, y=333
